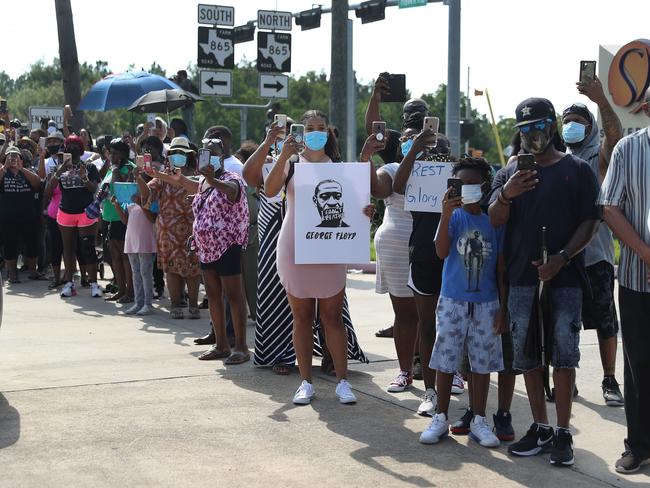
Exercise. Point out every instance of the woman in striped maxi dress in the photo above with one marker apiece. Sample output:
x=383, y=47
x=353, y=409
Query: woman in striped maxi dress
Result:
x=274, y=321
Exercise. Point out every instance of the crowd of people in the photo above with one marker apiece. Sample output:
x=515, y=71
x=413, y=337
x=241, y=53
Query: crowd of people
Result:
x=500, y=281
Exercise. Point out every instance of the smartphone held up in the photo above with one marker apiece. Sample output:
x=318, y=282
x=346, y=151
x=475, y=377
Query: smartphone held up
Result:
x=587, y=71
x=432, y=124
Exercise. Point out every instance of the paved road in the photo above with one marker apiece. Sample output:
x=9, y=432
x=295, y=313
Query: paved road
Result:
x=89, y=397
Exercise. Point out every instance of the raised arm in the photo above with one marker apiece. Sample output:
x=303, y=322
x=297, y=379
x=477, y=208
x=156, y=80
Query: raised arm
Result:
x=406, y=166
x=381, y=184
x=611, y=124
x=518, y=184
x=442, y=240
x=176, y=178
x=231, y=189
x=276, y=178
x=252, y=171
x=372, y=112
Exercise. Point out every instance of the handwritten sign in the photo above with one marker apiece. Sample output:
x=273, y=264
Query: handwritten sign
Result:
x=426, y=186
x=330, y=225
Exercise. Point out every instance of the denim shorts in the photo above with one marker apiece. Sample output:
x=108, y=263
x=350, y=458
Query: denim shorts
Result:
x=566, y=304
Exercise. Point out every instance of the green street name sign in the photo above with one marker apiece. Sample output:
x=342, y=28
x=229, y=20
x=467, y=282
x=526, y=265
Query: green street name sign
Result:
x=412, y=3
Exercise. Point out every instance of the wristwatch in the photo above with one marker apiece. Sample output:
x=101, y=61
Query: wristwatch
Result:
x=565, y=255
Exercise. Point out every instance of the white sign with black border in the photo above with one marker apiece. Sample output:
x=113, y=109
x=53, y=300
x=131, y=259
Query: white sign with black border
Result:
x=216, y=15
x=215, y=83
x=274, y=86
x=52, y=113
x=274, y=20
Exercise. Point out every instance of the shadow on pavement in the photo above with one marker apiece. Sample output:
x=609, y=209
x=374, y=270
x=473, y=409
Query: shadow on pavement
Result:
x=9, y=423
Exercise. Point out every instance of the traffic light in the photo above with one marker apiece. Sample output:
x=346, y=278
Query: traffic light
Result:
x=309, y=19
x=371, y=11
x=243, y=33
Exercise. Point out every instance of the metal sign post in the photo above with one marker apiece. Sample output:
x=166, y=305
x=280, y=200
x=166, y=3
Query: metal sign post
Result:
x=243, y=115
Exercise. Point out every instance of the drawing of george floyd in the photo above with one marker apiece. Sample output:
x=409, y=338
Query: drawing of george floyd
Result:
x=328, y=198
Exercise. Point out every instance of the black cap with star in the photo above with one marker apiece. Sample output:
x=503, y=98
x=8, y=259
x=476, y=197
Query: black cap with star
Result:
x=533, y=110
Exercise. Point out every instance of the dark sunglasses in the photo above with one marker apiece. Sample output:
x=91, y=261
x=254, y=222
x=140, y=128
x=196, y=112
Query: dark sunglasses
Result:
x=539, y=125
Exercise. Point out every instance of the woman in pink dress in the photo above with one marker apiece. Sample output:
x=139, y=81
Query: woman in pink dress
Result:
x=307, y=284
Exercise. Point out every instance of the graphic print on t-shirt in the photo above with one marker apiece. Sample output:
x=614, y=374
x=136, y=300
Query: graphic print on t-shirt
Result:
x=71, y=179
x=16, y=184
x=475, y=250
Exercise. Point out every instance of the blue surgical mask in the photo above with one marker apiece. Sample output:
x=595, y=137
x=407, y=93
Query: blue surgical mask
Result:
x=406, y=147
x=215, y=161
x=573, y=132
x=316, y=140
x=471, y=194
x=178, y=160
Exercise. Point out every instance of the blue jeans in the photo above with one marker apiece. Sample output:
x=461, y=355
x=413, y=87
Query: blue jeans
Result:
x=142, y=267
x=566, y=304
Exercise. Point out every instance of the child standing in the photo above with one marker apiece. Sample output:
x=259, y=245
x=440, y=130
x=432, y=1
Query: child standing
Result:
x=469, y=311
x=140, y=247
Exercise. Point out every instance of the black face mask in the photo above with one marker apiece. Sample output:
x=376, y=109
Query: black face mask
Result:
x=53, y=149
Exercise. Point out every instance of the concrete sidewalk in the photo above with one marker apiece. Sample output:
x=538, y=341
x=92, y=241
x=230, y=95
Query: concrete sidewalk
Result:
x=91, y=397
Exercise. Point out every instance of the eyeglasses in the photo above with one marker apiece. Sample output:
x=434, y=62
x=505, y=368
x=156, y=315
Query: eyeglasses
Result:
x=539, y=125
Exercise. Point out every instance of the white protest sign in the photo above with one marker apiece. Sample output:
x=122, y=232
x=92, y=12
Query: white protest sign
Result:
x=330, y=225
x=426, y=186
x=266, y=170
x=52, y=113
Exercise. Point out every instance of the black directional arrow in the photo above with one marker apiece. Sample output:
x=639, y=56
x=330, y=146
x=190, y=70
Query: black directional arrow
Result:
x=277, y=85
x=212, y=83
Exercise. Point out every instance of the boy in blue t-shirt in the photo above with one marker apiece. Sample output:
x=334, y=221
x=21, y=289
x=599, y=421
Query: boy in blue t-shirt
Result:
x=469, y=314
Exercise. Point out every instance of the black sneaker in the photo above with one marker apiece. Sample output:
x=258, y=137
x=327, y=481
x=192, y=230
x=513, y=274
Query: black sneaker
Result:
x=536, y=440
x=629, y=462
x=551, y=398
x=562, y=453
x=503, y=426
x=462, y=425
x=612, y=392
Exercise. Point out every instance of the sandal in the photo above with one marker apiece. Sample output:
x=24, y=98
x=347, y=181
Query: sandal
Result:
x=214, y=353
x=177, y=313
x=194, y=312
x=115, y=297
x=282, y=369
x=126, y=299
x=237, y=357
x=385, y=333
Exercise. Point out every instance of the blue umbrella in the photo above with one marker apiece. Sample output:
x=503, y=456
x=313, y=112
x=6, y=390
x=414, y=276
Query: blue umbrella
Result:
x=121, y=90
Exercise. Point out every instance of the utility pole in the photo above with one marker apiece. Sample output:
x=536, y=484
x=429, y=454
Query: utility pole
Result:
x=338, y=70
x=468, y=111
x=452, y=122
x=69, y=59
x=351, y=115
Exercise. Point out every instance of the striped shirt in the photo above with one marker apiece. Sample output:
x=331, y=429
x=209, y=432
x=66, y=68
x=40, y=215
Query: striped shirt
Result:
x=627, y=185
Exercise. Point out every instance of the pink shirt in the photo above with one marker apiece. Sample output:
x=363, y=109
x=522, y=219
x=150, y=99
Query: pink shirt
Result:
x=218, y=222
x=140, y=234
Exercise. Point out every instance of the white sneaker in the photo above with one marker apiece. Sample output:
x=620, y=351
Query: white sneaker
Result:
x=458, y=385
x=438, y=429
x=344, y=392
x=146, y=310
x=96, y=290
x=304, y=394
x=429, y=403
x=401, y=382
x=480, y=431
x=68, y=290
x=133, y=309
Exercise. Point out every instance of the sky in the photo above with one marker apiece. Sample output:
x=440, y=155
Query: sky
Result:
x=515, y=48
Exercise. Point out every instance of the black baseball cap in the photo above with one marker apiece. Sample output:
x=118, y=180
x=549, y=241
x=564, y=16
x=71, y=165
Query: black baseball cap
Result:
x=533, y=110
x=578, y=109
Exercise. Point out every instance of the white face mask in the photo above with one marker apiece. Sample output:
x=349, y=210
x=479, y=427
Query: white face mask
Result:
x=471, y=194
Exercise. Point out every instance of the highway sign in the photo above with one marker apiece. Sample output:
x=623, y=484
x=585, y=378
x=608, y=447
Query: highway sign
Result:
x=216, y=15
x=216, y=83
x=52, y=113
x=274, y=86
x=274, y=20
x=412, y=3
x=273, y=52
x=215, y=48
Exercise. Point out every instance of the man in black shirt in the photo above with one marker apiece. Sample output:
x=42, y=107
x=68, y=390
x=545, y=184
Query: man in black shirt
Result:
x=559, y=195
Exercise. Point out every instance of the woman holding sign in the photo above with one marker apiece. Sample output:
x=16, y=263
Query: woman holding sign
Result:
x=307, y=285
x=425, y=277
